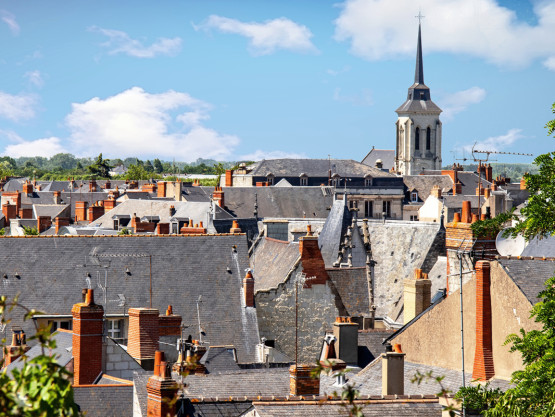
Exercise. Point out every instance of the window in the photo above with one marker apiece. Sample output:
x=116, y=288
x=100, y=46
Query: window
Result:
x=413, y=218
x=368, y=209
x=304, y=180
x=116, y=224
x=387, y=208
x=335, y=181
x=417, y=139
x=428, y=138
x=353, y=204
x=115, y=328
x=414, y=197
x=270, y=179
x=60, y=324
x=368, y=182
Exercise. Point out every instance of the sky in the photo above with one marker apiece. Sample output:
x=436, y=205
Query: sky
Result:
x=253, y=79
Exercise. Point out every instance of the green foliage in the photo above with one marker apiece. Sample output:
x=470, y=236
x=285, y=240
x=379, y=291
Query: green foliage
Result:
x=6, y=169
x=420, y=377
x=491, y=227
x=220, y=170
x=124, y=231
x=478, y=398
x=2, y=231
x=41, y=387
x=534, y=387
x=139, y=172
x=551, y=124
x=30, y=231
x=158, y=167
x=101, y=168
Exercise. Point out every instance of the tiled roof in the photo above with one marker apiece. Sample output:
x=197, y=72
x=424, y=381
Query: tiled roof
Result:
x=423, y=184
x=370, y=344
x=352, y=286
x=334, y=229
x=51, y=210
x=272, y=261
x=540, y=247
x=315, y=168
x=529, y=274
x=386, y=155
x=53, y=270
x=470, y=180
x=102, y=401
x=219, y=359
x=280, y=202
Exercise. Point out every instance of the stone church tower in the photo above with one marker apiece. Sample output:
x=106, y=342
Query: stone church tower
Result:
x=418, y=145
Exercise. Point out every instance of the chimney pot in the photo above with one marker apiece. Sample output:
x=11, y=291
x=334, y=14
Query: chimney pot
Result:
x=169, y=311
x=456, y=218
x=466, y=212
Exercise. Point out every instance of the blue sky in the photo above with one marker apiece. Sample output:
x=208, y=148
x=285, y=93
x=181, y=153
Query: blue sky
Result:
x=239, y=79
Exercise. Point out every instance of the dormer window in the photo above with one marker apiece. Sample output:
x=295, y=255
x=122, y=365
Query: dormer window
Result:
x=367, y=180
x=335, y=180
x=303, y=179
x=270, y=179
x=414, y=197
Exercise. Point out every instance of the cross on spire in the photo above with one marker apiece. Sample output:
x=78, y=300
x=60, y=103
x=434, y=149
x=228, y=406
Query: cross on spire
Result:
x=420, y=17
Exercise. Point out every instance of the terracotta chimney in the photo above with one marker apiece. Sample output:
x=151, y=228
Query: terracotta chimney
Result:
x=218, y=196
x=457, y=188
x=311, y=260
x=161, y=390
x=487, y=192
x=436, y=191
x=393, y=371
x=475, y=218
x=59, y=223
x=483, y=356
x=466, y=212
x=248, y=289
x=107, y=185
x=144, y=331
x=523, y=183
x=235, y=227
x=489, y=173
x=16, y=349
x=9, y=211
x=172, y=211
x=229, y=178
x=163, y=229
x=26, y=213
x=456, y=217
x=96, y=211
x=345, y=331
x=417, y=295
x=81, y=211
x=301, y=381
x=92, y=186
x=43, y=223
x=170, y=324
x=28, y=188
x=88, y=328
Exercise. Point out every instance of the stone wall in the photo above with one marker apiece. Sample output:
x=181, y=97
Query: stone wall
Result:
x=317, y=312
x=117, y=361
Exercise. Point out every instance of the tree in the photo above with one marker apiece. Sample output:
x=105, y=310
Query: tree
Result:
x=138, y=172
x=30, y=231
x=148, y=166
x=158, y=168
x=538, y=216
x=533, y=393
x=100, y=168
x=219, y=170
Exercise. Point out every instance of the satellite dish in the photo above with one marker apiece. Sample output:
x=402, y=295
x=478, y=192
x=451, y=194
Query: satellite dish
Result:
x=509, y=246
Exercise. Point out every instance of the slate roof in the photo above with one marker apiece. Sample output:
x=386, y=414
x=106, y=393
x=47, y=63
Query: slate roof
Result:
x=90, y=197
x=540, y=247
x=386, y=155
x=529, y=274
x=272, y=260
x=51, y=210
x=370, y=344
x=403, y=408
x=199, y=194
x=278, y=202
x=53, y=270
x=346, y=168
x=469, y=181
x=62, y=352
x=219, y=359
x=352, y=286
x=455, y=201
x=104, y=401
x=337, y=222
x=423, y=184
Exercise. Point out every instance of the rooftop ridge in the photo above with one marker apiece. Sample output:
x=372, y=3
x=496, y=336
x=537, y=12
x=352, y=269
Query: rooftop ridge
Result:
x=119, y=236
x=526, y=258
x=319, y=399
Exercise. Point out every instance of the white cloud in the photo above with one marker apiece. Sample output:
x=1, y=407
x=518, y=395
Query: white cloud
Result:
x=459, y=101
x=135, y=122
x=334, y=73
x=46, y=147
x=266, y=38
x=35, y=78
x=362, y=99
x=377, y=30
x=9, y=19
x=17, y=107
x=550, y=63
x=496, y=143
x=259, y=154
x=120, y=42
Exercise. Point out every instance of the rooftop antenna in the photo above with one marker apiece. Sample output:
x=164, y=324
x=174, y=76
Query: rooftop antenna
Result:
x=198, y=316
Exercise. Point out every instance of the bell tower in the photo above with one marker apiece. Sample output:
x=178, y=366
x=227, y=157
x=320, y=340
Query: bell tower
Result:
x=418, y=144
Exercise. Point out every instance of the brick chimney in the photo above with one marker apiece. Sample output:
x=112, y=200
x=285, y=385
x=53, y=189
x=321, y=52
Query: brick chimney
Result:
x=109, y=204
x=16, y=349
x=301, y=381
x=43, y=223
x=523, y=182
x=163, y=229
x=235, y=227
x=88, y=328
x=114, y=194
x=483, y=356
x=466, y=213
x=218, y=196
x=436, y=191
x=28, y=188
x=311, y=259
x=26, y=213
x=149, y=188
x=92, y=186
x=345, y=331
x=81, y=211
x=457, y=188
x=59, y=223
x=248, y=289
x=169, y=324
x=393, y=371
x=487, y=192
x=162, y=186
x=107, y=185
x=229, y=178
x=172, y=210
x=96, y=211
x=57, y=197
x=144, y=331
x=9, y=211
x=417, y=295
x=161, y=389
x=489, y=173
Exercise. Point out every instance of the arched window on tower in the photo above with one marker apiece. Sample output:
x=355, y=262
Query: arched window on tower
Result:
x=428, y=138
x=417, y=139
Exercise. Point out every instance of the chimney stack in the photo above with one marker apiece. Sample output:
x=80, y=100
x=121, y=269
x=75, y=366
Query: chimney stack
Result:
x=489, y=173
x=301, y=381
x=16, y=349
x=81, y=211
x=163, y=228
x=162, y=187
x=161, y=389
x=96, y=211
x=523, y=182
x=60, y=222
x=436, y=191
x=9, y=211
x=483, y=356
x=346, y=334
x=248, y=289
x=169, y=324
x=417, y=295
x=235, y=227
x=28, y=188
x=43, y=223
x=311, y=259
x=92, y=186
x=393, y=371
x=88, y=328
x=57, y=197
x=466, y=214
x=143, y=335
x=218, y=196
x=229, y=178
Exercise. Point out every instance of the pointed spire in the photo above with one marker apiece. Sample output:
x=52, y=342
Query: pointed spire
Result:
x=419, y=70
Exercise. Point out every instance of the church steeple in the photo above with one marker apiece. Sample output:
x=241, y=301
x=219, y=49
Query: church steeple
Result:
x=419, y=71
